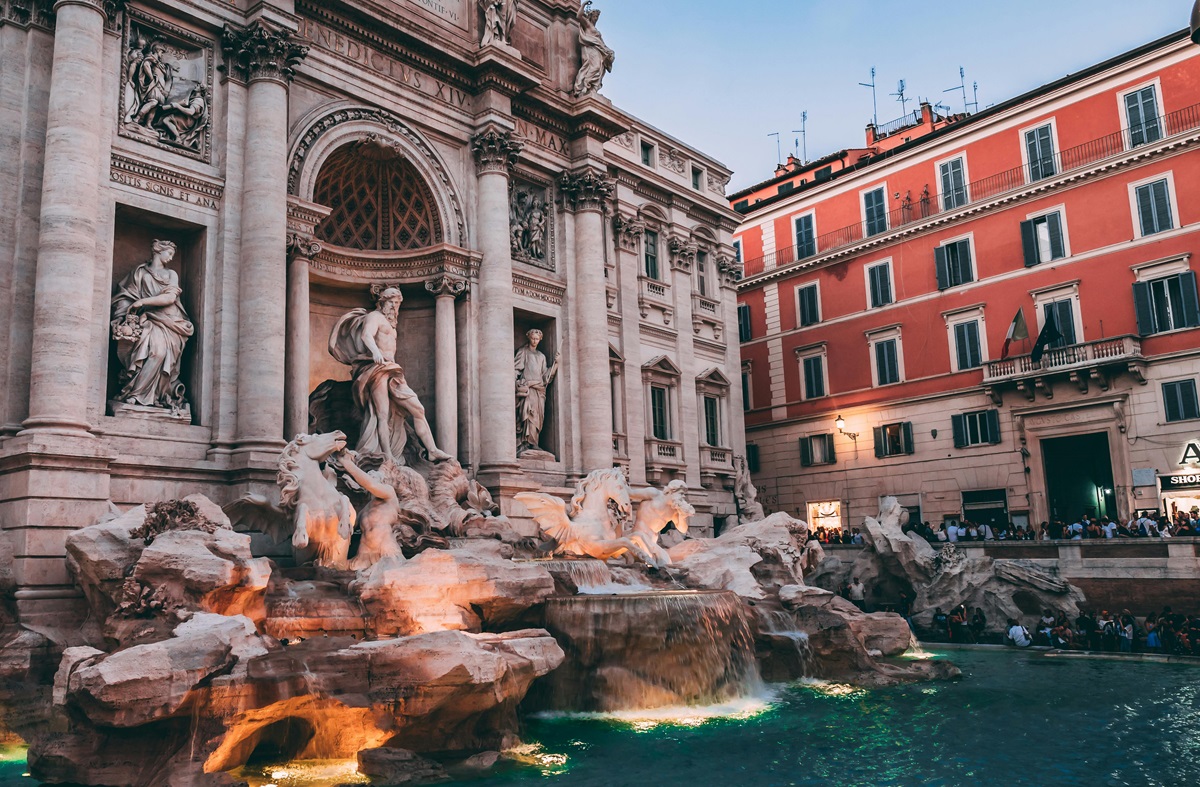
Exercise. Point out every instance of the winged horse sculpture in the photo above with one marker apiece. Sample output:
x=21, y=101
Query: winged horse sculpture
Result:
x=586, y=528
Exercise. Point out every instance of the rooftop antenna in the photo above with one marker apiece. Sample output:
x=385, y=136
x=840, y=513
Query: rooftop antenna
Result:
x=874, y=101
x=962, y=86
x=975, y=88
x=802, y=142
x=778, y=148
x=901, y=86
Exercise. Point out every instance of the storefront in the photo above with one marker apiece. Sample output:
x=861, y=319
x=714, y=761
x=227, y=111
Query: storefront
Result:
x=1180, y=491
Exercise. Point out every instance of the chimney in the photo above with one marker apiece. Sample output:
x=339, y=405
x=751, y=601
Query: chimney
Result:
x=926, y=113
x=871, y=138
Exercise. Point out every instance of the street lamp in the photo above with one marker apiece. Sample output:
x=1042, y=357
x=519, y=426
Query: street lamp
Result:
x=840, y=423
x=1196, y=22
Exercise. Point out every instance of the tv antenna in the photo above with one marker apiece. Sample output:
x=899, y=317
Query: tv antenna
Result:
x=802, y=141
x=778, y=148
x=901, y=86
x=874, y=101
x=962, y=86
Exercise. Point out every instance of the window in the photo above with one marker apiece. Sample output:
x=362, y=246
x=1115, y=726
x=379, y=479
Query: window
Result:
x=650, y=242
x=1063, y=314
x=1141, y=110
x=697, y=178
x=894, y=440
x=1179, y=400
x=812, y=368
x=712, y=420
x=953, y=262
x=1166, y=304
x=806, y=239
x=1154, y=207
x=702, y=272
x=978, y=428
x=1039, y=146
x=875, y=208
x=954, y=184
x=1042, y=239
x=817, y=450
x=887, y=362
x=660, y=414
x=647, y=154
x=746, y=388
x=879, y=284
x=737, y=251
x=752, y=463
x=809, y=305
x=745, y=330
x=966, y=345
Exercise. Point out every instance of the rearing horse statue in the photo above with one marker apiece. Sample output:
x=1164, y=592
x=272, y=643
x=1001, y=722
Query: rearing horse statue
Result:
x=587, y=529
x=322, y=517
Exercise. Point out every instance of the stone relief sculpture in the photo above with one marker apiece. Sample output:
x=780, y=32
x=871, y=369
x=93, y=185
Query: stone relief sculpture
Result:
x=529, y=213
x=596, y=59
x=367, y=341
x=499, y=16
x=657, y=509
x=165, y=95
x=151, y=329
x=534, y=377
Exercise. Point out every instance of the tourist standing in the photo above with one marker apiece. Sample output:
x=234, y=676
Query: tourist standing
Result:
x=857, y=593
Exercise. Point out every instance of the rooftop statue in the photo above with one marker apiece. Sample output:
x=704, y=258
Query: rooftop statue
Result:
x=367, y=341
x=595, y=58
x=499, y=16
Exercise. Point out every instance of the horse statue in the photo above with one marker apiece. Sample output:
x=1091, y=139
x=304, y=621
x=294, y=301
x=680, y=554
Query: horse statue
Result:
x=587, y=529
x=322, y=517
x=657, y=509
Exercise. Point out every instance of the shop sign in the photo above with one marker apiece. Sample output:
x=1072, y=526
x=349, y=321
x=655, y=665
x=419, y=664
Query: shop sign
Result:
x=1185, y=480
x=1191, y=454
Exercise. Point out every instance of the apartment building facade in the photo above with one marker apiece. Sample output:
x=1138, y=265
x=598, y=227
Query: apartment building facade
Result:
x=881, y=284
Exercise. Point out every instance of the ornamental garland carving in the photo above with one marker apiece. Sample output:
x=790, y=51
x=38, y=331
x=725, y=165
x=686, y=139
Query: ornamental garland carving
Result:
x=166, y=87
x=262, y=51
x=729, y=269
x=718, y=183
x=670, y=158
x=496, y=150
x=586, y=190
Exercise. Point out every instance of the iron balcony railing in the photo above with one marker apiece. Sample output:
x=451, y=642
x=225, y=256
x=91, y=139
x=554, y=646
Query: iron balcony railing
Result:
x=1064, y=359
x=929, y=204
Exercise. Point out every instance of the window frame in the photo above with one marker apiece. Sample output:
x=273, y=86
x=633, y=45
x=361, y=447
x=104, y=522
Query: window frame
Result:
x=1163, y=399
x=702, y=278
x=886, y=262
x=652, y=149
x=666, y=410
x=1062, y=291
x=747, y=386
x=648, y=254
x=1135, y=208
x=969, y=239
x=953, y=319
x=715, y=426
x=1123, y=112
x=966, y=187
x=803, y=356
x=908, y=445
x=984, y=421
x=737, y=250
x=815, y=284
x=1031, y=220
x=884, y=335
x=1148, y=275
x=862, y=206
x=746, y=335
x=828, y=447
x=812, y=216
x=1023, y=133
x=697, y=178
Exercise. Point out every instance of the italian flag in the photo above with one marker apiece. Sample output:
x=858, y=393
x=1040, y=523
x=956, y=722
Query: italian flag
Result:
x=1018, y=330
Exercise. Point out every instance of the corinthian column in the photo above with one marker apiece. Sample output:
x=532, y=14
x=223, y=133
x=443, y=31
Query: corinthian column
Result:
x=445, y=370
x=266, y=58
x=586, y=193
x=496, y=150
x=301, y=250
x=62, y=297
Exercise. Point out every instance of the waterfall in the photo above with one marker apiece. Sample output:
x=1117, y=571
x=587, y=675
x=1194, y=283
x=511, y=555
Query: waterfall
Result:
x=589, y=577
x=648, y=650
x=915, y=650
x=782, y=625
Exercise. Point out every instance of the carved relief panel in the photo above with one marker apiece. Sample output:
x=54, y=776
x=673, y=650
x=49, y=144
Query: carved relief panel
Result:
x=166, y=86
x=531, y=223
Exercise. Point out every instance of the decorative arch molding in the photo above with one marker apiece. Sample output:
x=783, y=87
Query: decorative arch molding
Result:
x=328, y=128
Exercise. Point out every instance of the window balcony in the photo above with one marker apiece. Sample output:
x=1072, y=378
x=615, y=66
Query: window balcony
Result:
x=664, y=460
x=1084, y=364
x=655, y=295
x=706, y=311
x=716, y=466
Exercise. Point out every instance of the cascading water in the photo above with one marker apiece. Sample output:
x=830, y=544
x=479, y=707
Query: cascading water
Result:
x=648, y=650
x=589, y=577
x=783, y=625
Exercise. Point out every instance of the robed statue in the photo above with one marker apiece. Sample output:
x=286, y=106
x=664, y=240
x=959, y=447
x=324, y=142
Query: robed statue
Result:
x=367, y=342
x=595, y=58
x=534, y=376
x=499, y=16
x=151, y=329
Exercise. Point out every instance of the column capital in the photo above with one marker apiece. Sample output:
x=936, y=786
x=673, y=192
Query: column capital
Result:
x=683, y=253
x=730, y=270
x=262, y=51
x=586, y=190
x=629, y=232
x=107, y=8
x=496, y=149
x=446, y=286
x=305, y=246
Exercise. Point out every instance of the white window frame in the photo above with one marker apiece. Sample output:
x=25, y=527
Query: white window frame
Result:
x=820, y=309
x=1061, y=210
x=1054, y=294
x=958, y=317
x=867, y=281
x=805, y=353
x=862, y=208
x=882, y=335
x=937, y=169
x=692, y=178
x=1162, y=404
x=1052, y=122
x=1123, y=112
x=795, y=227
x=1136, y=217
x=970, y=238
x=1160, y=269
x=642, y=145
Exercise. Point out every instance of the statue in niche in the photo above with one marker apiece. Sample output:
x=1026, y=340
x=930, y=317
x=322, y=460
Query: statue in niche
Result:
x=527, y=225
x=534, y=377
x=499, y=16
x=151, y=329
x=367, y=341
x=165, y=96
x=595, y=58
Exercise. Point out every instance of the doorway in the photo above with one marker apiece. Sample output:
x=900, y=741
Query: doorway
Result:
x=1079, y=477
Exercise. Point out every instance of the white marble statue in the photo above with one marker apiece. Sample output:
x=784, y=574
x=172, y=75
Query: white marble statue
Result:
x=587, y=528
x=367, y=342
x=322, y=517
x=595, y=58
x=658, y=508
x=499, y=16
x=185, y=121
x=378, y=516
x=161, y=102
x=747, y=495
x=151, y=329
x=534, y=377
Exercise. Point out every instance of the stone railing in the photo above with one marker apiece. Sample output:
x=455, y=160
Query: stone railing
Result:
x=714, y=458
x=655, y=290
x=664, y=453
x=1063, y=359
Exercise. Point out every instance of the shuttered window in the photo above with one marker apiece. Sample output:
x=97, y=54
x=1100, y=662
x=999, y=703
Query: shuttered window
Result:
x=745, y=330
x=894, y=440
x=1166, y=304
x=966, y=345
x=1154, y=207
x=813, y=369
x=1039, y=144
x=712, y=421
x=954, y=184
x=879, y=278
x=660, y=416
x=875, y=204
x=746, y=403
x=806, y=239
x=817, y=450
x=1141, y=108
x=887, y=362
x=1179, y=400
x=1042, y=239
x=1063, y=314
x=953, y=263
x=981, y=427
x=650, y=251
x=809, y=305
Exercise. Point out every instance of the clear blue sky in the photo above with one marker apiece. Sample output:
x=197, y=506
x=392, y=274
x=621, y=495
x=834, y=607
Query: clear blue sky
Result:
x=722, y=74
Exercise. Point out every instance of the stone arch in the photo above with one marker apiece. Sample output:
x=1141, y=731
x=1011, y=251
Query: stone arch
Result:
x=331, y=128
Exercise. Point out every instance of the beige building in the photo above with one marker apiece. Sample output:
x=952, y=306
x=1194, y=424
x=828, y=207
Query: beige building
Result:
x=295, y=159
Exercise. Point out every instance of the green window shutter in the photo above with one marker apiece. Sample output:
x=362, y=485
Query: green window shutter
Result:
x=752, y=457
x=993, y=421
x=1133, y=109
x=1143, y=308
x=1145, y=203
x=1029, y=243
x=907, y=433
x=1058, y=249
x=830, y=451
x=943, y=273
x=1191, y=306
x=879, y=444
x=959, y=424
x=1162, y=206
x=806, y=459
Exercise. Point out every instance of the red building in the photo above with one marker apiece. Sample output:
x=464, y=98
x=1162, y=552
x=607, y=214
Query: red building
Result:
x=881, y=282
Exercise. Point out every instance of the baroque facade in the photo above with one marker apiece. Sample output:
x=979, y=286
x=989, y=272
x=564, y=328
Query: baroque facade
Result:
x=882, y=284
x=194, y=194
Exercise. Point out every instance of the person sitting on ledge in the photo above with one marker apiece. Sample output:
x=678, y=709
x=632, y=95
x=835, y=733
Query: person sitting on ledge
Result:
x=1018, y=635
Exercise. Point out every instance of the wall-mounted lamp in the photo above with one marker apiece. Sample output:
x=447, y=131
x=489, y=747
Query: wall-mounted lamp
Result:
x=840, y=423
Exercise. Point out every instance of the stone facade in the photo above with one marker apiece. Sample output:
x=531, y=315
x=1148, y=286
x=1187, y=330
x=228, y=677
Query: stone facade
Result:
x=301, y=159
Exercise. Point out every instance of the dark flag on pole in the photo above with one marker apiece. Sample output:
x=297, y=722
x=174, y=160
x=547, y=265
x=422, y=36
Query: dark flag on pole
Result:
x=1049, y=335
